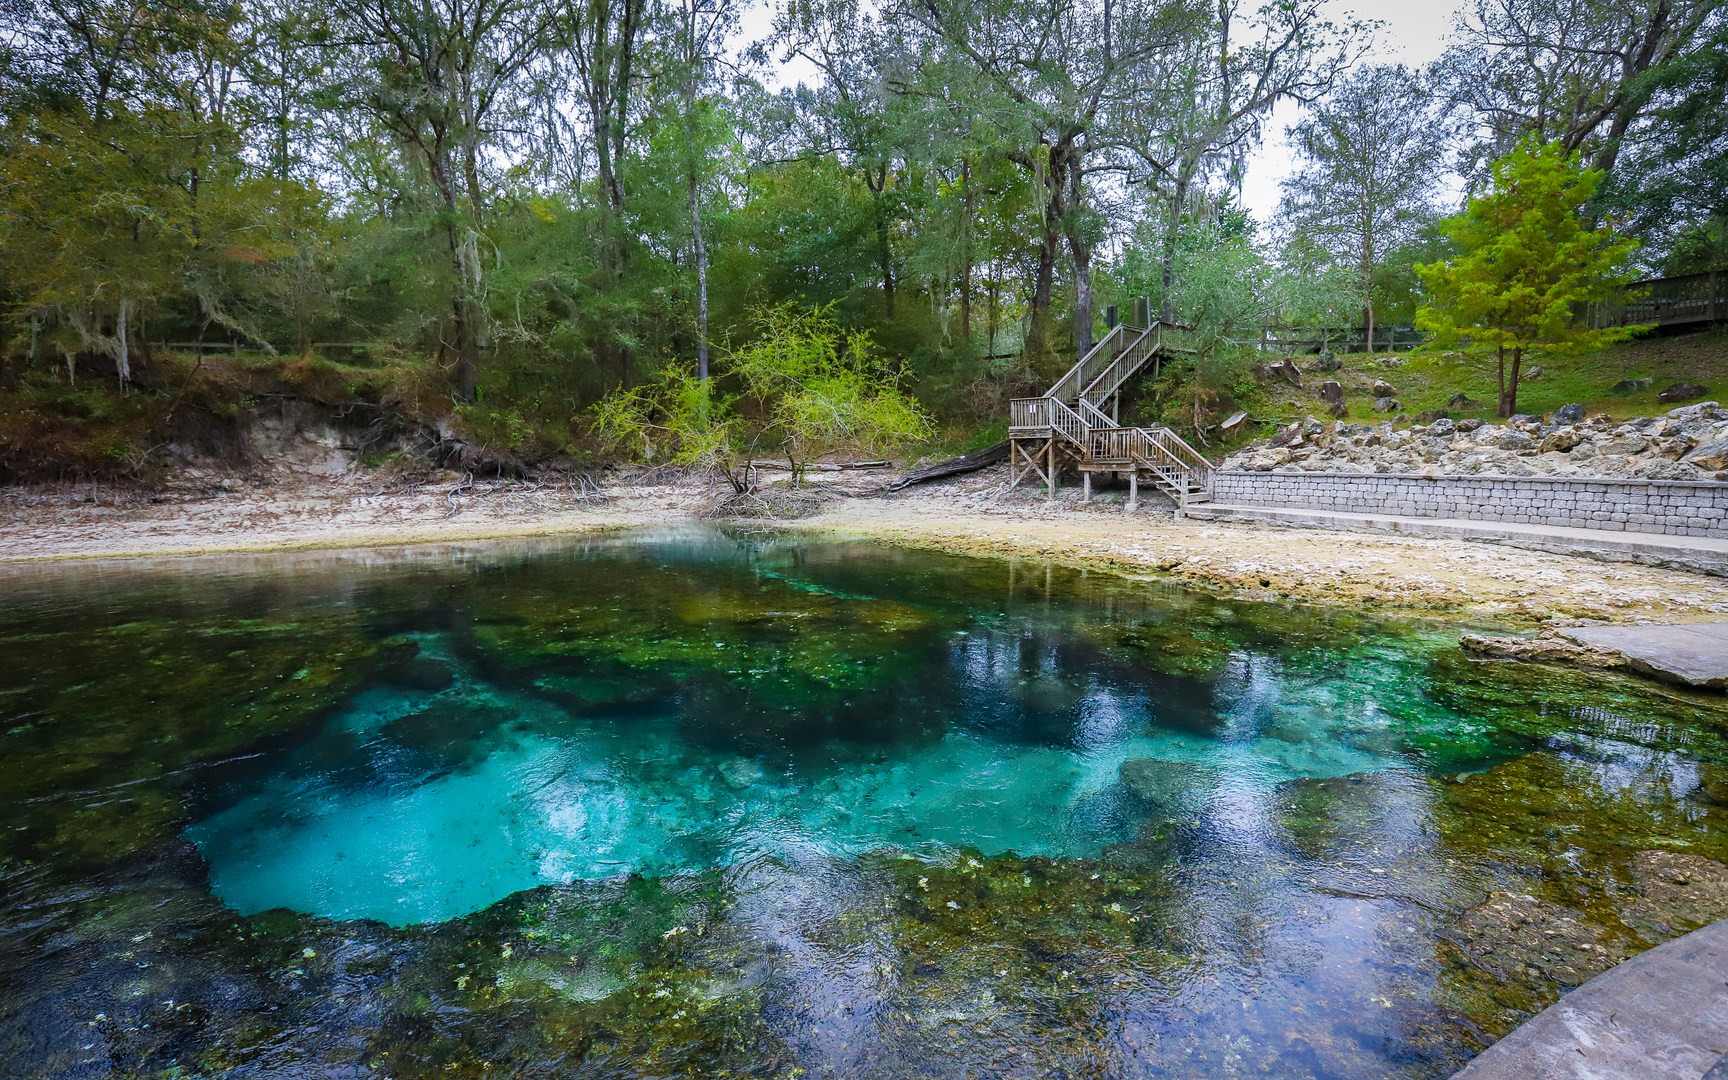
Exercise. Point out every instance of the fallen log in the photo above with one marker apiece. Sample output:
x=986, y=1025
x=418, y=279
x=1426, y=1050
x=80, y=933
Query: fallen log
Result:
x=965, y=463
x=824, y=466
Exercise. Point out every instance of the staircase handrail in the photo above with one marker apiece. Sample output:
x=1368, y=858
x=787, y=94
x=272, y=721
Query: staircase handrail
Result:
x=1069, y=385
x=1123, y=366
x=1093, y=415
x=1178, y=448
x=1052, y=413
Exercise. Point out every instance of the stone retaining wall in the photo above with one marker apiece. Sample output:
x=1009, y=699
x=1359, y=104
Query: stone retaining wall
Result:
x=1676, y=508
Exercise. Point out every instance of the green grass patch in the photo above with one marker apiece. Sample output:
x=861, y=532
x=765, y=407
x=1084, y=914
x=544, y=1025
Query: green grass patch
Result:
x=1428, y=381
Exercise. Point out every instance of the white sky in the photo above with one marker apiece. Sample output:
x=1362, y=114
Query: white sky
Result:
x=1414, y=33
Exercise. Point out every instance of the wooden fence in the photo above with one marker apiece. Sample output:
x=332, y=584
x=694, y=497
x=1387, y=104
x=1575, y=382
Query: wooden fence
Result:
x=1689, y=299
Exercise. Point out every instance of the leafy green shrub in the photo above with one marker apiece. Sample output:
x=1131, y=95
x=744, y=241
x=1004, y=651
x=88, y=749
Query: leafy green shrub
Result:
x=818, y=389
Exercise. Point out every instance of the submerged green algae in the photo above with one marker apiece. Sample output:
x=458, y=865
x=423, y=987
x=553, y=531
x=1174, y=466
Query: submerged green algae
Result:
x=1306, y=844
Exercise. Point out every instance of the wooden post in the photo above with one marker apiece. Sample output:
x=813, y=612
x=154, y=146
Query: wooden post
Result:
x=1050, y=457
x=1133, y=491
x=1085, y=487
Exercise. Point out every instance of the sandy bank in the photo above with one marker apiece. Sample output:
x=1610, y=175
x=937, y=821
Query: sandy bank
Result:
x=1390, y=572
x=300, y=514
x=1263, y=562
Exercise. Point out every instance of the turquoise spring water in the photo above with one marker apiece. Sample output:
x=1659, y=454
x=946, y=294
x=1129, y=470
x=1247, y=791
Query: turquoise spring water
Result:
x=697, y=802
x=419, y=806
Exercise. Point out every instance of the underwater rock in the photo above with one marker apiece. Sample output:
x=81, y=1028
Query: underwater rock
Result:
x=588, y=691
x=451, y=733
x=740, y=773
x=1713, y=784
x=1548, y=648
x=1678, y=893
x=1514, y=935
x=1172, y=786
x=417, y=673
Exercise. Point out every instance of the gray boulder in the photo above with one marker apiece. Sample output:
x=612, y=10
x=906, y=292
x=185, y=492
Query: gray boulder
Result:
x=1681, y=391
x=1569, y=414
x=1712, y=456
x=1386, y=404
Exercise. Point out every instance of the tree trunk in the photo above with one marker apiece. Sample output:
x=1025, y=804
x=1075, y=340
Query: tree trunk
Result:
x=1509, y=406
x=877, y=182
x=1508, y=403
x=1368, y=316
x=995, y=291
x=1050, y=241
x=701, y=253
x=1038, y=326
x=1178, y=199
x=462, y=345
x=966, y=251
x=1082, y=295
x=1082, y=253
x=122, y=355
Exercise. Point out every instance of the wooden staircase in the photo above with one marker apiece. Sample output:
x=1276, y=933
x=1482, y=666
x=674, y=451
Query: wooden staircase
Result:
x=1076, y=422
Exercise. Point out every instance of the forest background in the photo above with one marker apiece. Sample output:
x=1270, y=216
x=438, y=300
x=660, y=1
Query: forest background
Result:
x=482, y=217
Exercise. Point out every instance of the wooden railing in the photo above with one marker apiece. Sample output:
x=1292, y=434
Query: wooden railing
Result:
x=1102, y=441
x=1160, y=451
x=1047, y=414
x=1099, y=357
x=1094, y=415
x=1688, y=298
x=1111, y=377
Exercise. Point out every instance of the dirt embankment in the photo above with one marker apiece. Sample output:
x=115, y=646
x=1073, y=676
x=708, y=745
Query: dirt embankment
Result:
x=206, y=514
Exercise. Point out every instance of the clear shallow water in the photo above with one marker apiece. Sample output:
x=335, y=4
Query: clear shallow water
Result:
x=691, y=802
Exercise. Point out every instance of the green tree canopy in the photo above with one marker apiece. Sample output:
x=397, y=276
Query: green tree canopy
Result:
x=1527, y=265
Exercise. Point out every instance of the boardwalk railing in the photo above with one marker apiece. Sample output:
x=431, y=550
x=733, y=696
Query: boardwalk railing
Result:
x=1671, y=301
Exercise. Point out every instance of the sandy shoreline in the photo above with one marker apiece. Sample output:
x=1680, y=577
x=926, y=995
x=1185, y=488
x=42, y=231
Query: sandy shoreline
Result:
x=1394, y=573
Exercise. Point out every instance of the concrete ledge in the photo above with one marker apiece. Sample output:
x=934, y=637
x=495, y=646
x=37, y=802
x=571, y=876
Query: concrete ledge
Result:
x=1703, y=554
x=1662, y=1015
x=1690, y=654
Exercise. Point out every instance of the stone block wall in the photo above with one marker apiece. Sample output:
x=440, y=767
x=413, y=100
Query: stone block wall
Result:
x=1676, y=508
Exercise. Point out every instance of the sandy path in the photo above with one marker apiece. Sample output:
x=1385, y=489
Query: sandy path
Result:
x=1258, y=562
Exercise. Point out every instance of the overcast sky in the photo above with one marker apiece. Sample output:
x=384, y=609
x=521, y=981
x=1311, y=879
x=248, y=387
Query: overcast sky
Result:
x=1414, y=33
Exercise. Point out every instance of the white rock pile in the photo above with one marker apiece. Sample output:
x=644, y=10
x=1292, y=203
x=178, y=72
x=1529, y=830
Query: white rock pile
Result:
x=1689, y=443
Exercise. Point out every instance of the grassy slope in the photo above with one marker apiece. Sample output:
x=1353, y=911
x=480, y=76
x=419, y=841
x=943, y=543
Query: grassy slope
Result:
x=1427, y=381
